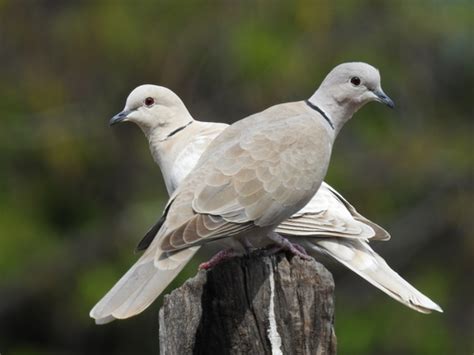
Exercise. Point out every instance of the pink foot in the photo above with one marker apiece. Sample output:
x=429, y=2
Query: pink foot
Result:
x=221, y=256
x=300, y=248
x=284, y=244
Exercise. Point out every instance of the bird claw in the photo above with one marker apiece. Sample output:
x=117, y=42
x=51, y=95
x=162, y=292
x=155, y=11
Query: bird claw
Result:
x=220, y=257
x=284, y=244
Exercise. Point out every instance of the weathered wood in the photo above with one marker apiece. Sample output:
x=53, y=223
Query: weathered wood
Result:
x=252, y=305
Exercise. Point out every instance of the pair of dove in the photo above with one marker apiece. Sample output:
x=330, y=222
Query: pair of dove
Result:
x=254, y=183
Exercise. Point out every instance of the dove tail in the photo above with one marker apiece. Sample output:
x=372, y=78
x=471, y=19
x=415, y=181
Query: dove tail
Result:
x=141, y=285
x=358, y=256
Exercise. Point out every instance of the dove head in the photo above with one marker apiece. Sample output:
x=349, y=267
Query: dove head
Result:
x=347, y=88
x=155, y=109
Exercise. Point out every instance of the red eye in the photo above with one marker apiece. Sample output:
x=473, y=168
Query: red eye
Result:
x=149, y=101
x=355, y=80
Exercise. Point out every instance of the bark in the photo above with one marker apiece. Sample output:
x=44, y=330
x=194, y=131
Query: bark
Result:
x=252, y=305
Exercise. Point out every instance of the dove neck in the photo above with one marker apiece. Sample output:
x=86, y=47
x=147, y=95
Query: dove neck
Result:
x=167, y=125
x=166, y=144
x=338, y=112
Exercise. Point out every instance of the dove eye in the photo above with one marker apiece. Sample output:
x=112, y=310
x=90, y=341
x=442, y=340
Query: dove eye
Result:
x=355, y=80
x=149, y=101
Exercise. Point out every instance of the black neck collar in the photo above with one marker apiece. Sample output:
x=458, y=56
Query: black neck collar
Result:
x=178, y=130
x=316, y=108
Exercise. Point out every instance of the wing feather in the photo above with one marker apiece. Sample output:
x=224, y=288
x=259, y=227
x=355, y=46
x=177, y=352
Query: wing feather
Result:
x=329, y=214
x=254, y=174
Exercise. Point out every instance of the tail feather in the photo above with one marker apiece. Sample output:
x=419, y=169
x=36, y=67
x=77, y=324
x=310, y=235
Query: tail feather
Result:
x=140, y=286
x=358, y=256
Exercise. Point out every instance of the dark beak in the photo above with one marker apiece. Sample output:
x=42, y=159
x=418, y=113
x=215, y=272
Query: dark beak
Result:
x=384, y=98
x=119, y=117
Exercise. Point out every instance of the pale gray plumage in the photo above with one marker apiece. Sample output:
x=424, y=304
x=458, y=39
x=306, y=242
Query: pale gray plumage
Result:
x=360, y=258
x=242, y=180
x=235, y=194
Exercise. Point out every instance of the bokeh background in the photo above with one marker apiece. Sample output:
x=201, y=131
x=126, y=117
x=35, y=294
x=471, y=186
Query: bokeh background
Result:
x=76, y=195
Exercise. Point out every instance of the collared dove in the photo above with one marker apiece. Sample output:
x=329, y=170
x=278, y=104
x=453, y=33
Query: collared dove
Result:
x=177, y=141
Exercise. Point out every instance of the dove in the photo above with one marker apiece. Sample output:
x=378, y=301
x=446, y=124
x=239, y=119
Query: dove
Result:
x=177, y=141
x=177, y=154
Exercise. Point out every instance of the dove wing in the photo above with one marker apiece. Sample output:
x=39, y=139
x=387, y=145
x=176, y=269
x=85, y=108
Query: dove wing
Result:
x=328, y=213
x=256, y=173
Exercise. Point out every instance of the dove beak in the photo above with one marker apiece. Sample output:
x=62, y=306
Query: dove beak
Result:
x=120, y=117
x=383, y=98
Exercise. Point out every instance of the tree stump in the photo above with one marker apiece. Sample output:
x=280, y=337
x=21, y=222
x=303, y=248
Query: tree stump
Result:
x=252, y=305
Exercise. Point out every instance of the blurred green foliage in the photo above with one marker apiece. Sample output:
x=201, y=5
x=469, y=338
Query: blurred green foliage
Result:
x=76, y=196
